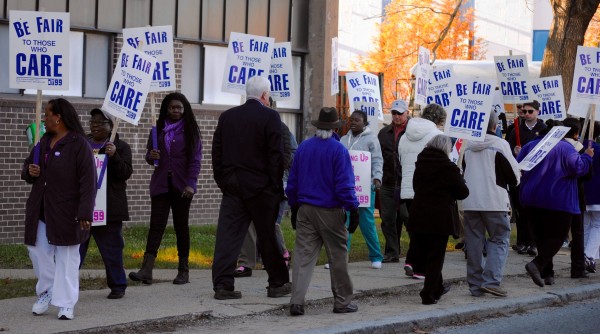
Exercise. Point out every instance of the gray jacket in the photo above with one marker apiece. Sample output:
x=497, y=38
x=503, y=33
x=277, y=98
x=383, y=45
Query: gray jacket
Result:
x=366, y=141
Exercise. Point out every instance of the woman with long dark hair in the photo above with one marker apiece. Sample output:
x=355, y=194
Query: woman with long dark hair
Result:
x=60, y=207
x=173, y=182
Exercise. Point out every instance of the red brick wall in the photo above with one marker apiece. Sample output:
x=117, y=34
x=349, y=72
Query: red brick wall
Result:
x=16, y=113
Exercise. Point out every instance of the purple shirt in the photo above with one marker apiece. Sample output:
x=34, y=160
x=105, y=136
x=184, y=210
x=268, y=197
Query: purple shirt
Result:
x=184, y=171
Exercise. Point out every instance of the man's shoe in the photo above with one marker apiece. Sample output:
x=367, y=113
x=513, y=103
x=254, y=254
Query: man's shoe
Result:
x=41, y=305
x=376, y=265
x=523, y=250
x=280, y=291
x=549, y=280
x=242, y=272
x=517, y=248
x=296, y=309
x=408, y=270
x=418, y=276
x=494, y=291
x=350, y=308
x=582, y=274
x=116, y=295
x=532, y=251
x=533, y=271
x=326, y=266
x=390, y=259
x=66, y=313
x=428, y=301
x=222, y=294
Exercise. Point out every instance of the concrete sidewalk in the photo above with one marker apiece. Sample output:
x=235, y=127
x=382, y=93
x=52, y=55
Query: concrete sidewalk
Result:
x=166, y=305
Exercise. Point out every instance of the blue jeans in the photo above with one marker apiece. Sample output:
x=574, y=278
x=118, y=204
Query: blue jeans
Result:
x=368, y=229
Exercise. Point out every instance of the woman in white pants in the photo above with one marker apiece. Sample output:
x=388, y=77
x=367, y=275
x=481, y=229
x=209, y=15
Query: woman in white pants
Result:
x=60, y=207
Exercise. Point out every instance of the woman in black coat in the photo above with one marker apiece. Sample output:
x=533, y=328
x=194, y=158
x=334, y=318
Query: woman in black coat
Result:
x=433, y=215
x=109, y=237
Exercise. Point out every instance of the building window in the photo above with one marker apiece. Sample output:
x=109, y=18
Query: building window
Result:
x=540, y=38
x=191, y=65
x=214, y=65
x=97, y=64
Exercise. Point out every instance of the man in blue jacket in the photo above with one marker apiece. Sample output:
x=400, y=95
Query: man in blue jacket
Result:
x=320, y=188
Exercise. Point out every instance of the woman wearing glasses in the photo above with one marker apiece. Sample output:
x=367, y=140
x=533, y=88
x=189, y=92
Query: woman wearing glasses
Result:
x=173, y=182
x=118, y=170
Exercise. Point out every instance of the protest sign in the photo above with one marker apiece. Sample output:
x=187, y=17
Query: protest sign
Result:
x=247, y=56
x=497, y=104
x=100, y=204
x=455, y=153
x=540, y=151
x=586, y=76
x=422, y=79
x=128, y=89
x=363, y=86
x=549, y=93
x=158, y=43
x=335, y=75
x=442, y=81
x=372, y=111
x=470, y=108
x=513, y=78
x=39, y=50
x=361, y=164
x=281, y=73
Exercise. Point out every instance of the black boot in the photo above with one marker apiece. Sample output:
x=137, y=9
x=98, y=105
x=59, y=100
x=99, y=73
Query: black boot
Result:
x=183, y=272
x=145, y=273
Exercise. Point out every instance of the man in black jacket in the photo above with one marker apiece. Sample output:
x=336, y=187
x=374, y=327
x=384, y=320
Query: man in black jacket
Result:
x=247, y=160
x=393, y=214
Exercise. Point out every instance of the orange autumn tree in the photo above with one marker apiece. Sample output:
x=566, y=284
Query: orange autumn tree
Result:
x=408, y=24
x=592, y=34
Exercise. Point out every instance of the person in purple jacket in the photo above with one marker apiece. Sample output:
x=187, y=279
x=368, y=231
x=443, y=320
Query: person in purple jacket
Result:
x=173, y=183
x=60, y=207
x=549, y=194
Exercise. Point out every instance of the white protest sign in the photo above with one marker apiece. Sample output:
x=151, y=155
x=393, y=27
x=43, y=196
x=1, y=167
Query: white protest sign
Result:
x=442, y=82
x=470, y=108
x=100, y=205
x=335, y=85
x=247, y=56
x=580, y=109
x=422, y=79
x=361, y=164
x=513, y=78
x=39, y=50
x=158, y=43
x=540, y=151
x=586, y=76
x=363, y=86
x=128, y=89
x=497, y=104
x=281, y=74
x=372, y=111
x=549, y=93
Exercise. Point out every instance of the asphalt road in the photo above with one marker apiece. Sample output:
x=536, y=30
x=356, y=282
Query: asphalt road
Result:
x=570, y=319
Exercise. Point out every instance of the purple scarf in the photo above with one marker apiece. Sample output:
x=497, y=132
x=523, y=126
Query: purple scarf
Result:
x=169, y=131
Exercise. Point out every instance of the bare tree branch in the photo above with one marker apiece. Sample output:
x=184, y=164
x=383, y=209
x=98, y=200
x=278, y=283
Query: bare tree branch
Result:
x=411, y=8
x=445, y=31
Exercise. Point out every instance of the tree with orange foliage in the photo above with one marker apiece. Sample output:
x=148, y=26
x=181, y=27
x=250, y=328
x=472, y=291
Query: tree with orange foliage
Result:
x=592, y=34
x=409, y=24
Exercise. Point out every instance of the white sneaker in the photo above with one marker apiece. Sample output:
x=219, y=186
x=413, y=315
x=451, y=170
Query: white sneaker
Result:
x=326, y=266
x=41, y=305
x=66, y=313
x=376, y=264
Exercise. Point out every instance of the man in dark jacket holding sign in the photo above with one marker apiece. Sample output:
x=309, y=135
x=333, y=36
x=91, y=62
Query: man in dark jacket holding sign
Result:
x=320, y=189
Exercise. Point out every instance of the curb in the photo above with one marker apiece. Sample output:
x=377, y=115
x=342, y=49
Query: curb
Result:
x=440, y=318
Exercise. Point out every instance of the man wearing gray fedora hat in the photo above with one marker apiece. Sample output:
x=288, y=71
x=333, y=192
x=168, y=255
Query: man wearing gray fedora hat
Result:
x=320, y=189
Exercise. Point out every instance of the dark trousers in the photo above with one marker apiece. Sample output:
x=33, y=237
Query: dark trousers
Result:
x=525, y=235
x=110, y=244
x=577, y=247
x=159, y=216
x=433, y=247
x=235, y=215
x=550, y=228
x=392, y=218
x=414, y=255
